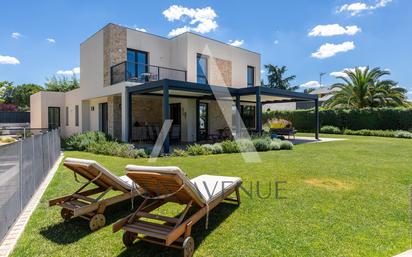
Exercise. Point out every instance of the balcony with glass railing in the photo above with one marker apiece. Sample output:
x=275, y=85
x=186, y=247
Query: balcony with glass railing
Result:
x=141, y=73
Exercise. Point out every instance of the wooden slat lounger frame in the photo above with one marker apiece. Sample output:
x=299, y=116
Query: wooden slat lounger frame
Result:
x=172, y=231
x=90, y=204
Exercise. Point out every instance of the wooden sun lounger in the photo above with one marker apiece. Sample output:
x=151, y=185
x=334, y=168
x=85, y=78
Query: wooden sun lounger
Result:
x=170, y=184
x=91, y=204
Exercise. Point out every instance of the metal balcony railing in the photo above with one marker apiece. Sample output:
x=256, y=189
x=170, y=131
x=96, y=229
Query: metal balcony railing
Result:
x=139, y=72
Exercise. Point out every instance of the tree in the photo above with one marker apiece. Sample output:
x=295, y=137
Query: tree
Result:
x=276, y=78
x=5, y=87
x=61, y=83
x=309, y=90
x=20, y=95
x=364, y=88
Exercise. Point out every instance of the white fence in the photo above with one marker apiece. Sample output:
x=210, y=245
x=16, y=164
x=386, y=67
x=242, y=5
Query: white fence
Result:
x=23, y=166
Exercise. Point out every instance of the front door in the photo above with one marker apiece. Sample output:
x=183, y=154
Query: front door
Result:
x=104, y=118
x=202, y=121
x=54, y=117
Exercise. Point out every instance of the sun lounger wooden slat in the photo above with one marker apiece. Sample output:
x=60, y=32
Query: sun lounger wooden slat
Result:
x=92, y=203
x=169, y=184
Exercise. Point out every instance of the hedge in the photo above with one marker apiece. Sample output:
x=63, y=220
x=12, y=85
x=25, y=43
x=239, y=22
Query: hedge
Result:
x=355, y=119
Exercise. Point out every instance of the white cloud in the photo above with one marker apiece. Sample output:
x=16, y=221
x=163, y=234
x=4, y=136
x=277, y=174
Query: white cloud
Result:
x=140, y=29
x=342, y=72
x=262, y=71
x=51, y=40
x=310, y=84
x=178, y=31
x=276, y=42
x=236, y=42
x=69, y=73
x=16, y=35
x=328, y=50
x=201, y=20
x=4, y=59
x=333, y=30
x=359, y=7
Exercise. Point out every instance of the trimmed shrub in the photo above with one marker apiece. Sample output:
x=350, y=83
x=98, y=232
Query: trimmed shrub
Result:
x=367, y=132
x=197, y=149
x=246, y=145
x=354, y=119
x=229, y=146
x=403, y=134
x=330, y=130
x=179, y=152
x=275, y=144
x=286, y=145
x=262, y=144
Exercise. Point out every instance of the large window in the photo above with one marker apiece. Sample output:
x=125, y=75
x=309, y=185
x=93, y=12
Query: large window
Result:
x=137, y=64
x=248, y=115
x=201, y=64
x=76, y=115
x=54, y=117
x=250, y=76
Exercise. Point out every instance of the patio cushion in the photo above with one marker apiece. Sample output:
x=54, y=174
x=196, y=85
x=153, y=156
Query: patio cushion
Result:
x=212, y=187
x=203, y=189
x=90, y=169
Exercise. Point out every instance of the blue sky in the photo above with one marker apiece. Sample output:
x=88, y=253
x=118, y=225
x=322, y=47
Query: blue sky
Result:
x=308, y=37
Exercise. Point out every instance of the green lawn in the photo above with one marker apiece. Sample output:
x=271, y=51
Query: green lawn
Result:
x=344, y=198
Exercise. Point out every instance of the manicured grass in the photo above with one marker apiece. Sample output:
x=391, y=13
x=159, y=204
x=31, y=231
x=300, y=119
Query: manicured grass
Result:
x=344, y=198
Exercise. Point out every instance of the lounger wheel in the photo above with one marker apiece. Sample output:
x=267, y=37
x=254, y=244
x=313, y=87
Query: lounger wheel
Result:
x=128, y=238
x=188, y=247
x=97, y=221
x=66, y=214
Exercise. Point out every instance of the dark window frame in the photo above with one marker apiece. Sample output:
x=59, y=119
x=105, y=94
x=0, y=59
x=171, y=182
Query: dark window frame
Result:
x=67, y=115
x=136, y=61
x=76, y=115
x=52, y=125
x=205, y=71
x=250, y=124
x=252, y=84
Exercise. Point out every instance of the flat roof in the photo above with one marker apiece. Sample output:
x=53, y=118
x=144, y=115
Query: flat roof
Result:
x=180, y=88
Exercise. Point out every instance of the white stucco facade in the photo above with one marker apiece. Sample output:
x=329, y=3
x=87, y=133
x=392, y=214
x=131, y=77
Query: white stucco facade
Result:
x=227, y=66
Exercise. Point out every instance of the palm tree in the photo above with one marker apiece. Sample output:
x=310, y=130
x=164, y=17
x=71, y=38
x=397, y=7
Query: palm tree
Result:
x=364, y=88
x=276, y=79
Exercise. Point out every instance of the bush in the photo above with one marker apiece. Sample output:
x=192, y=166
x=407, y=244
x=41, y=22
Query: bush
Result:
x=330, y=130
x=262, y=144
x=214, y=149
x=80, y=141
x=246, y=145
x=7, y=140
x=367, y=132
x=179, y=152
x=115, y=149
x=275, y=144
x=197, y=149
x=286, y=145
x=229, y=146
x=354, y=119
x=403, y=134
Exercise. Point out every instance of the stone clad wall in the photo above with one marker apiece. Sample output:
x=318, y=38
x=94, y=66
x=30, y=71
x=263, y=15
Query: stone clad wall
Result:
x=115, y=116
x=114, y=49
x=220, y=72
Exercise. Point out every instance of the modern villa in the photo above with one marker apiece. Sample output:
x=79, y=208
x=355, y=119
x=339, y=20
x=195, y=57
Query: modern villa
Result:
x=132, y=81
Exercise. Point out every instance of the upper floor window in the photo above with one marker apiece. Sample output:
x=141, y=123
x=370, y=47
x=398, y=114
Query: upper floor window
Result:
x=250, y=76
x=201, y=69
x=137, y=64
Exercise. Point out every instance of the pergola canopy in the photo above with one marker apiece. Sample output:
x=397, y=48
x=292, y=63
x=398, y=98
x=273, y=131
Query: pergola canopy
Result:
x=182, y=89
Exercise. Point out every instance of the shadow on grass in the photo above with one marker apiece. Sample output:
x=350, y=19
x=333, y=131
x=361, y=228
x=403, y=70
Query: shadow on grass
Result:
x=67, y=232
x=199, y=233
